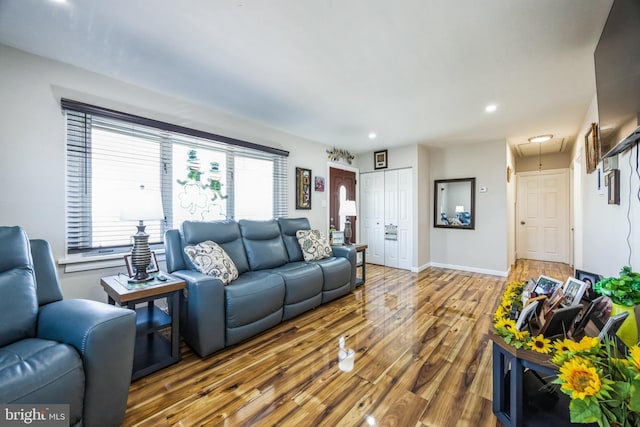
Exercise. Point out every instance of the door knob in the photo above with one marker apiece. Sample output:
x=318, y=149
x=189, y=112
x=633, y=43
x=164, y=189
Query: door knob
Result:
x=522, y=222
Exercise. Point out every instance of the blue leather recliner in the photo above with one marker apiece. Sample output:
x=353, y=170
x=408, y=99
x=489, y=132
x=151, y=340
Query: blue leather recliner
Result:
x=55, y=351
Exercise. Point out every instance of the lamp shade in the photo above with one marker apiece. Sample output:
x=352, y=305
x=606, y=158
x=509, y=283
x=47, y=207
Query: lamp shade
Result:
x=348, y=208
x=141, y=205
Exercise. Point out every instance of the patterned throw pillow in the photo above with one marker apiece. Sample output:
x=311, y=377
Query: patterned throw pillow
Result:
x=210, y=259
x=313, y=244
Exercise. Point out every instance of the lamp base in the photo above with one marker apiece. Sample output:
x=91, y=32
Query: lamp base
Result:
x=145, y=280
x=347, y=232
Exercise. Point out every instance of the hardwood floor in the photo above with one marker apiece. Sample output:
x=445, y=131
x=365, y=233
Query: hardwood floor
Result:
x=423, y=358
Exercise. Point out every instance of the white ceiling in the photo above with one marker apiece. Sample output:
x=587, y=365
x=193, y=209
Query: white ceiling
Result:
x=413, y=71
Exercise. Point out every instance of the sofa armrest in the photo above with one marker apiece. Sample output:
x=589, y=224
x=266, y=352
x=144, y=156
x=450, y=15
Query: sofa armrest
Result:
x=104, y=336
x=348, y=252
x=202, y=314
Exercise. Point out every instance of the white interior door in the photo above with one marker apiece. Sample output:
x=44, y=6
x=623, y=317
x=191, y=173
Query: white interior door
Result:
x=372, y=211
x=391, y=216
x=405, y=218
x=542, y=228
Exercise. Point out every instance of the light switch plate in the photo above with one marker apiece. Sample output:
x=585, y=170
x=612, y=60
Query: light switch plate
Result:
x=483, y=189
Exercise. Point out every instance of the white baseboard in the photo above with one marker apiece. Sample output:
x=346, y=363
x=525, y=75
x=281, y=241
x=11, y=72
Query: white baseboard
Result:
x=421, y=268
x=471, y=269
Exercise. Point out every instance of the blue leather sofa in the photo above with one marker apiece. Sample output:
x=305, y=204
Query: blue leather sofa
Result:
x=274, y=283
x=55, y=351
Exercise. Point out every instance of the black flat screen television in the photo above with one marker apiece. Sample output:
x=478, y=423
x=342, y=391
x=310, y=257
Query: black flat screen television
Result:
x=617, y=68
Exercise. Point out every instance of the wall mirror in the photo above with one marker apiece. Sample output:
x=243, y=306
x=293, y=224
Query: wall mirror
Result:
x=454, y=203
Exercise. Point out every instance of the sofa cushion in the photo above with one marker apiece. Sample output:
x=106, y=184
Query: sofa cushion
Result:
x=19, y=302
x=253, y=304
x=263, y=244
x=303, y=287
x=313, y=245
x=225, y=233
x=288, y=228
x=34, y=370
x=210, y=259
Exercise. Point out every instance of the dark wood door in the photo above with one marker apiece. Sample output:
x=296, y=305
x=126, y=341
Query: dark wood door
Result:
x=341, y=178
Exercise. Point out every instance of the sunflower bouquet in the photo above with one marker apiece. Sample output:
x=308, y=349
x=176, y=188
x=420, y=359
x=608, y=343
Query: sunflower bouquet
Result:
x=604, y=387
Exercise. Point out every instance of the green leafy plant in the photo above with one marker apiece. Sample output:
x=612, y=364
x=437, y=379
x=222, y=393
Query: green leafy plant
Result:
x=623, y=290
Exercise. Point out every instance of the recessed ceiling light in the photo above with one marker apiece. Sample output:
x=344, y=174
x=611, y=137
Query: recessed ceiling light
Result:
x=59, y=1
x=541, y=138
x=372, y=135
x=490, y=108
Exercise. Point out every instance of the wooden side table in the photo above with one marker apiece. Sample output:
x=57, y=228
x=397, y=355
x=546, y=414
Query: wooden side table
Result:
x=152, y=350
x=361, y=248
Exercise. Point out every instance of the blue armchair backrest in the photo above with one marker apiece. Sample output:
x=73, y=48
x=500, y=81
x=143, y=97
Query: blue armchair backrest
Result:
x=18, y=298
x=47, y=281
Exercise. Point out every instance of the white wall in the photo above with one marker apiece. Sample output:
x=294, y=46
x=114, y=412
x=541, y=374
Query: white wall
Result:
x=485, y=248
x=32, y=137
x=511, y=209
x=424, y=194
x=601, y=239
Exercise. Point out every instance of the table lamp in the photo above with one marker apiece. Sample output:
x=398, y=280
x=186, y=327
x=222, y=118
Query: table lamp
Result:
x=141, y=205
x=347, y=209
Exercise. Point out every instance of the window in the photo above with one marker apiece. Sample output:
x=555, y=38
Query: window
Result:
x=199, y=175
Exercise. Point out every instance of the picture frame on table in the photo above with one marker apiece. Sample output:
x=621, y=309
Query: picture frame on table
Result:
x=525, y=315
x=613, y=324
x=553, y=302
x=590, y=279
x=380, y=159
x=152, y=268
x=546, y=285
x=527, y=290
x=573, y=290
x=303, y=188
x=337, y=238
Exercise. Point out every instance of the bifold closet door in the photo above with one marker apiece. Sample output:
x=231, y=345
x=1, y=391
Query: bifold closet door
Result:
x=387, y=217
x=372, y=211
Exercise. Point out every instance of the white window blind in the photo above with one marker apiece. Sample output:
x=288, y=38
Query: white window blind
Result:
x=200, y=176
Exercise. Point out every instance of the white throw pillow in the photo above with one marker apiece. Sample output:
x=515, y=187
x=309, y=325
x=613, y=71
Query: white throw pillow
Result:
x=313, y=244
x=210, y=259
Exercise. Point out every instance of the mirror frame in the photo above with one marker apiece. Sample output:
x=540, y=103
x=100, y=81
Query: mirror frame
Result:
x=472, y=199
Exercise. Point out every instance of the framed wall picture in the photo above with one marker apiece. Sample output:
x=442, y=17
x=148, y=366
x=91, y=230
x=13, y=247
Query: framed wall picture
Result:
x=612, y=180
x=319, y=183
x=591, y=148
x=152, y=268
x=380, y=159
x=303, y=188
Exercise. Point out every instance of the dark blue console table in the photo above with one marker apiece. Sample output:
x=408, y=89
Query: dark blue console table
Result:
x=519, y=395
